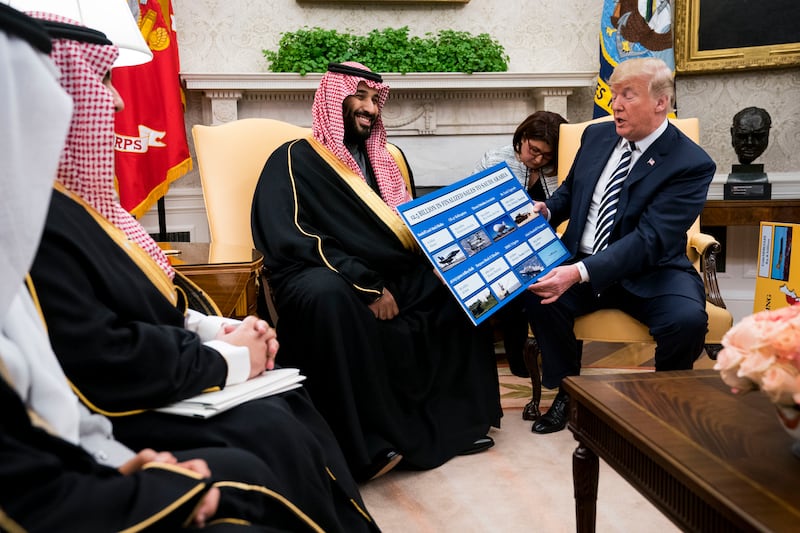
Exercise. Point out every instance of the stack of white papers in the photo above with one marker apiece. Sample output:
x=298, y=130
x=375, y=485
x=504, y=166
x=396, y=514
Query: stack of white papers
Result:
x=208, y=404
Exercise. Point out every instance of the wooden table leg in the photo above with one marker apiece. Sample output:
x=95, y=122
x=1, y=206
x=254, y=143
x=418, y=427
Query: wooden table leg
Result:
x=530, y=355
x=585, y=473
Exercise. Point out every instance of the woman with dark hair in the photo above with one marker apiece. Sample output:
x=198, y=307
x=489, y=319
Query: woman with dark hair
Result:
x=532, y=154
x=533, y=158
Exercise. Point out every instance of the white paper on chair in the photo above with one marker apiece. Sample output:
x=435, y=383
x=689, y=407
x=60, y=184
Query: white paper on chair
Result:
x=208, y=404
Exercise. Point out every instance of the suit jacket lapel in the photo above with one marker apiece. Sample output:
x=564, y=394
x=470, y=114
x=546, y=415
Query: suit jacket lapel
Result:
x=601, y=150
x=651, y=159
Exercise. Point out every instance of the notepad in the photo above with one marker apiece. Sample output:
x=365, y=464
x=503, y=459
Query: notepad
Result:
x=208, y=404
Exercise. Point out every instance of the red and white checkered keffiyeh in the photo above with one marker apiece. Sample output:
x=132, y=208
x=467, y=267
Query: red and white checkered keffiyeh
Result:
x=87, y=162
x=328, y=128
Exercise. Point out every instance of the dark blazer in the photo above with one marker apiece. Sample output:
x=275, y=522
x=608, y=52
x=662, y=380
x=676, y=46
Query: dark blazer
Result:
x=660, y=200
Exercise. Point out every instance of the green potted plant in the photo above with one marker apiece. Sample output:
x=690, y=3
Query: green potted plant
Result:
x=387, y=50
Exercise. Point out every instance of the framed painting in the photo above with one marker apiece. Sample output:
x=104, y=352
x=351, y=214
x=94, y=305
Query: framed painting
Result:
x=718, y=36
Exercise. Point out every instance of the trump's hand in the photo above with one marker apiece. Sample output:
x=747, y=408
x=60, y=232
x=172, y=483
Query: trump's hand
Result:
x=541, y=208
x=555, y=283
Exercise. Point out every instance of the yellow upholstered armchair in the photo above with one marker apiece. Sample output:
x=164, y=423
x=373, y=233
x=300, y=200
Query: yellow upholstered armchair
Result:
x=230, y=158
x=613, y=325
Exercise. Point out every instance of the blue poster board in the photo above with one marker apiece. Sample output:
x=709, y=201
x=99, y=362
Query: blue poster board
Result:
x=482, y=236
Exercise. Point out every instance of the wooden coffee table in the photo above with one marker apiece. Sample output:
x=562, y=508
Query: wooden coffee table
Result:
x=709, y=460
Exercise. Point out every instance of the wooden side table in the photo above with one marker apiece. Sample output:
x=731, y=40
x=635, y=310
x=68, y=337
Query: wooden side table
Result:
x=749, y=212
x=229, y=274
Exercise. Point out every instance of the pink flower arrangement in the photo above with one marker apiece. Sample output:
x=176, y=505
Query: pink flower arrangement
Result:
x=763, y=352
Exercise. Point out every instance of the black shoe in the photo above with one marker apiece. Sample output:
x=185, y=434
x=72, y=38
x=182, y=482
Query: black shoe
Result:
x=480, y=445
x=383, y=462
x=555, y=419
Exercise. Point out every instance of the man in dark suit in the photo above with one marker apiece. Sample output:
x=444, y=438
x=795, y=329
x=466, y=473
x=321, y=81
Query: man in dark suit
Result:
x=635, y=188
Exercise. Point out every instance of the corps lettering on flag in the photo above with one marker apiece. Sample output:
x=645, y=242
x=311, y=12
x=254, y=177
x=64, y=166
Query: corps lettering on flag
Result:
x=150, y=141
x=631, y=28
x=140, y=144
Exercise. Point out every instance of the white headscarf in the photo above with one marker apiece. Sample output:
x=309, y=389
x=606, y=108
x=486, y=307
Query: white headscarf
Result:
x=35, y=114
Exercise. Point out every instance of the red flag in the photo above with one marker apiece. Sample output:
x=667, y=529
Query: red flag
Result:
x=150, y=144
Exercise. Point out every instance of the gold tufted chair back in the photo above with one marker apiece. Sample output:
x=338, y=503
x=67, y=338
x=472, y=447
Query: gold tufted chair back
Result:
x=230, y=158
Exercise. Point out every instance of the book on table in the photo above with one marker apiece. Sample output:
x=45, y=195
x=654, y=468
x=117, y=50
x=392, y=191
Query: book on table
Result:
x=778, y=268
x=208, y=404
x=484, y=239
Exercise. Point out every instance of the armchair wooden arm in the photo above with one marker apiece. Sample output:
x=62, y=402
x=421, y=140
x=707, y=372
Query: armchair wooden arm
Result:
x=707, y=247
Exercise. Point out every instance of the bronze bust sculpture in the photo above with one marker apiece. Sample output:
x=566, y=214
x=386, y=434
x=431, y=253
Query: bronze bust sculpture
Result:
x=750, y=133
x=750, y=137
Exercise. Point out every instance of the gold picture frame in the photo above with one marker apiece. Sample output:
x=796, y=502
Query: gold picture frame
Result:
x=690, y=23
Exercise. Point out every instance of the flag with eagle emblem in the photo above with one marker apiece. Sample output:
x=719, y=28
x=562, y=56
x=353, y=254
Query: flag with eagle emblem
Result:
x=631, y=28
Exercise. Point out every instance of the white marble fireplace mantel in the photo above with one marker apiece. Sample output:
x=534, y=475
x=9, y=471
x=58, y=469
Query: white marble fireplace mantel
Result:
x=446, y=121
x=229, y=96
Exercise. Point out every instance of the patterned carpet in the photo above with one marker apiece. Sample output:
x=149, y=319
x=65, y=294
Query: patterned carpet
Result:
x=598, y=358
x=524, y=482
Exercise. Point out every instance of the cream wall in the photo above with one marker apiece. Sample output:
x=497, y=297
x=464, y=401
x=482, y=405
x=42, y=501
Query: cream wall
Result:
x=228, y=35
x=540, y=36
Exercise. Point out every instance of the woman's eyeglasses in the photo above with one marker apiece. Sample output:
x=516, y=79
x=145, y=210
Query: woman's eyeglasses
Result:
x=535, y=153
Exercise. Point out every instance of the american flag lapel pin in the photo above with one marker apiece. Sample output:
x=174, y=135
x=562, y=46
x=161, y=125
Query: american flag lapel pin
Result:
x=651, y=162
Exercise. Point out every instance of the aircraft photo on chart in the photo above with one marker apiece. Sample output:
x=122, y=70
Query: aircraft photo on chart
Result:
x=449, y=257
x=476, y=242
x=500, y=228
